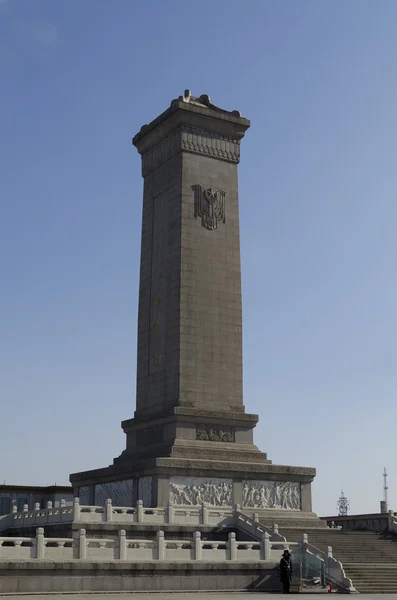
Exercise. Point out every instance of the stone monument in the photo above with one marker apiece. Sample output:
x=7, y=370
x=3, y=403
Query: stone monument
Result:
x=190, y=441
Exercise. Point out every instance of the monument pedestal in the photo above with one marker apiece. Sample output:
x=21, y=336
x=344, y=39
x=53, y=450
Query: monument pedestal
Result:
x=191, y=441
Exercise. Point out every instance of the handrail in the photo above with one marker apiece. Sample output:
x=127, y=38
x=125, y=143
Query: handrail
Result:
x=330, y=563
x=253, y=526
x=334, y=571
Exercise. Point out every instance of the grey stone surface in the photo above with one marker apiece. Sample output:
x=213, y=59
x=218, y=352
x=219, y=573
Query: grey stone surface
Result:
x=198, y=595
x=43, y=577
x=190, y=419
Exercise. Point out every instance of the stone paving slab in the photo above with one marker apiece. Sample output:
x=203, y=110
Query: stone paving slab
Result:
x=181, y=596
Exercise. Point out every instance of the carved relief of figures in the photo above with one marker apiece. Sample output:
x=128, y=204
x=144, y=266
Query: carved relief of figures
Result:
x=120, y=493
x=210, y=206
x=194, y=491
x=215, y=433
x=145, y=491
x=272, y=494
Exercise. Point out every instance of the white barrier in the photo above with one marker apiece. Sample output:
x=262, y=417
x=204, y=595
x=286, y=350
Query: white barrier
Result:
x=171, y=514
x=133, y=550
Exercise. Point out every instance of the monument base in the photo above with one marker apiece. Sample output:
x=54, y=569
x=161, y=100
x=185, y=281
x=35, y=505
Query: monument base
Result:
x=190, y=458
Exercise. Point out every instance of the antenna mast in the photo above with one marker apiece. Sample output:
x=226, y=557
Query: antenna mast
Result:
x=343, y=505
x=384, y=504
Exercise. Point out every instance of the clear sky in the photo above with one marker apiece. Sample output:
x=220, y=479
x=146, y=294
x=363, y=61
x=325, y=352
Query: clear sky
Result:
x=318, y=186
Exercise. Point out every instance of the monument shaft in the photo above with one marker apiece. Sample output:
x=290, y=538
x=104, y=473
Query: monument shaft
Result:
x=190, y=314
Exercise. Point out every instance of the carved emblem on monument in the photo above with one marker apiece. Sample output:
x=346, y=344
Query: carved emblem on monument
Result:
x=209, y=206
x=215, y=433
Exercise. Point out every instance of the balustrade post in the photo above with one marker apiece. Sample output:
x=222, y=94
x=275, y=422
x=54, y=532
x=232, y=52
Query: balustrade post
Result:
x=82, y=544
x=170, y=512
x=108, y=510
x=49, y=505
x=40, y=542
x=275, y=528
x=204, y=514
x=160, y=545
x=197, y=545
x=255, y=517
x=329, y=552
x=266, y=547
x=305, y=539
x=14, y=509
x=122, y=545
x=36, y=511
x=62, y=503
x=76, y=509
x=232, y=547
x=139, y=511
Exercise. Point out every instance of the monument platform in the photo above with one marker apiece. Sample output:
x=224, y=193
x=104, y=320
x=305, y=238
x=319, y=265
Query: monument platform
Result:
x=190, y=441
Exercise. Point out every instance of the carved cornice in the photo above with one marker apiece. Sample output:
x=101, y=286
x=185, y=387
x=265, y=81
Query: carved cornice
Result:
x=215, y=414
x=190, y=139
x=220, y=454
x=211, y=465
x=190, y=413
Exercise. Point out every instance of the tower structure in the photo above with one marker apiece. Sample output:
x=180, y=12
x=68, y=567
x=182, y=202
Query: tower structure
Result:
x=384, y=505
x=191, y=440
x=343, y=505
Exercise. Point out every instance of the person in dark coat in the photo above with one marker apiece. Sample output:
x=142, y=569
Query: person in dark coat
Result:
x=286, y=571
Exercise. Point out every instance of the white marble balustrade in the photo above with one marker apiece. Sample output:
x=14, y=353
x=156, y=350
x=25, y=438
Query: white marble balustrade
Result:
x=123, y=548
x=171, y=514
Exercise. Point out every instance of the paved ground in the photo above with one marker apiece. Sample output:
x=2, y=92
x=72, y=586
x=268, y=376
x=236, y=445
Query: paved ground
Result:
x=185, y=596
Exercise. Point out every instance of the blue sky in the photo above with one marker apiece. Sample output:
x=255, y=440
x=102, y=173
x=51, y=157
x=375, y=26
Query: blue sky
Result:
x=318, y=185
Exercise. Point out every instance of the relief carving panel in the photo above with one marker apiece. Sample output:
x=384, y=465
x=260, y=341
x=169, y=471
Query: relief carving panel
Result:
x=193, y=491
x=215, y=433
x=282, y=495
x=84, y=495
x=119, y=492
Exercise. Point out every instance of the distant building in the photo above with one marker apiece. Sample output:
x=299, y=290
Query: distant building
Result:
x=19, y=495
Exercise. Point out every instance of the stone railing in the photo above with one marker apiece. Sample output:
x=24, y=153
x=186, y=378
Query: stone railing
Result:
x=133, y=550
x=253, y=526
x=171, y=514
x=38, y=516
x=332, y=570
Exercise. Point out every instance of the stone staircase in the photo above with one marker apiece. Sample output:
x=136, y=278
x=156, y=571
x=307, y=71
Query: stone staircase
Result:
x=369, y=558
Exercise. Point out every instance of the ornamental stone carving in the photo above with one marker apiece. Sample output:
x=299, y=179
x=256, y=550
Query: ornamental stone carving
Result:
x=209, y=206
x=194, y=491
x=84, y=495
x=188, y=463
x=119, y=492
x=284, y=495
x=215, y=433
x=192, y=139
